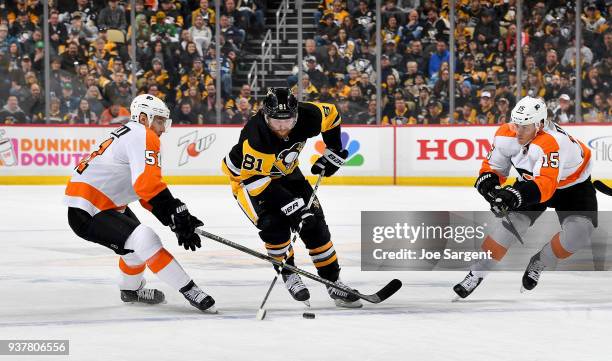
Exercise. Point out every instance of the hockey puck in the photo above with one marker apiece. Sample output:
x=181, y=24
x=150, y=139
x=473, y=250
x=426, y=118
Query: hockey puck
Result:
x=308, y=315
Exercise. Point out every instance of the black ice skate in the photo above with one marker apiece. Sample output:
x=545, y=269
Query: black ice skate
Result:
x=467, y=286
x=342, y=298
x=532, y=273
x=149, y=296
x=198, y=298
x=296, y=287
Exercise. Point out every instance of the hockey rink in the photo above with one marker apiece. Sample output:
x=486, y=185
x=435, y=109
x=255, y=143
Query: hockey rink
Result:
x=54, y=285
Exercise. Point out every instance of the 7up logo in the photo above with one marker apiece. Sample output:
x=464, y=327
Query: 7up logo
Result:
x=354, y=159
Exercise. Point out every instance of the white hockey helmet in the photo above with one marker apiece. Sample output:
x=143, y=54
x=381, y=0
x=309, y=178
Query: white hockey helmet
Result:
x=530, y=110
x=152, y=106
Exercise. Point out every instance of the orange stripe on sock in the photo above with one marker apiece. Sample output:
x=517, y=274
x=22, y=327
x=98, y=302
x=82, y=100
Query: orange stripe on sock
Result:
x=497, y=250
x=326, y=262
x=321, y=249
x=159, y=260
x=277, y=246
x=557, y=248
x=130, y=270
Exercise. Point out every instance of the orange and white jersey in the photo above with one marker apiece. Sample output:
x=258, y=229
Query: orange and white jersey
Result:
x=125, y=168
x=552, y=160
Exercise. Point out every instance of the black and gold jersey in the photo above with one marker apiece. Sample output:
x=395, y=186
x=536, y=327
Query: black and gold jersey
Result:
x=260, y=157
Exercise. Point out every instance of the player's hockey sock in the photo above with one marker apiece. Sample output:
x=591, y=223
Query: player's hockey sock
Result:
x=575, y=235
x=281, y=251
x=325, y=260
x=168, y=269
x=131, y=272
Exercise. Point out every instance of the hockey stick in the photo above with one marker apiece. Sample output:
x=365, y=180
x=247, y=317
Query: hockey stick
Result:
x=261, y=312
x=387, y=291
x=602, y=187
x=507, y=223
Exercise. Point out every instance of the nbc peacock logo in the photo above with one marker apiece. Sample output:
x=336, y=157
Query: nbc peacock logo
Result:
x=354, y=159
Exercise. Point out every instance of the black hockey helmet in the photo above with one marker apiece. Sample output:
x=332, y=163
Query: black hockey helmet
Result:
x=280, y=103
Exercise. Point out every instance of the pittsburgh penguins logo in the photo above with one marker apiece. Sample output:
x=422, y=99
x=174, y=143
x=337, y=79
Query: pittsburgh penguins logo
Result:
x=287, y=159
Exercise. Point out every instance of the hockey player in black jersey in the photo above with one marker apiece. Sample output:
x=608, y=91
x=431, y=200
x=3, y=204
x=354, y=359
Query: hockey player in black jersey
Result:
x=272, y=191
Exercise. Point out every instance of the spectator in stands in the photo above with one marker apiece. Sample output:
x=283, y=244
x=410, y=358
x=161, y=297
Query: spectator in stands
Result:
x=326, y=31
x=79, y=32
x=231, y=33
x=96, y=102
x=244, y=112
x=34, y=105
x=367, y=89
x=485, y=112
x=71, y=58
x=68, y=101
x=435, y=28
x=84, y=114
x=201, y=34
x=502, y=110
x=165, y=29
x=187, y=56
x=564, y=112
x=365, y=17
x=441, y=55
x=115, y=114
x=185, y=114
x=317, y=77
x=400, y=114
x=415, y=53
x=236, y=17
x=354, y=31
x=22, y=25
x=209, y=104
x=324, y=95
x=309, y=91
x=338, y=12
x=466, y=114
x=11, y=113
x=392, y=29
x=112, y=16
x=55, y=114
x=143, y=29
x=435, y=114
x=487, y=30
x=368, y=116
x=340, y=90
x=413, y=30
x=599, y=112
x=356, y=102
x=390, y=50
x=4, y=39
x=569, y=57
x=161, y=75
x=207, y=13
x=333, y=64
x=344, y=46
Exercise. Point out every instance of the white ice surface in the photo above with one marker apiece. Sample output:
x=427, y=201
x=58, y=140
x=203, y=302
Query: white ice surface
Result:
x=54, y=285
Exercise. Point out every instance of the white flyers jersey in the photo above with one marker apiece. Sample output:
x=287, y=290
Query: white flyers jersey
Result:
x=125, y=168
x=553, y=160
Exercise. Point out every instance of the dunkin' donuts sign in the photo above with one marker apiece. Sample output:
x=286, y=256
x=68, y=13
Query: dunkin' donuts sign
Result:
x=42, y=151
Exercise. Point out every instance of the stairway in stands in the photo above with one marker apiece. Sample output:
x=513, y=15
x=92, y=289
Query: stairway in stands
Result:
x=282, y=64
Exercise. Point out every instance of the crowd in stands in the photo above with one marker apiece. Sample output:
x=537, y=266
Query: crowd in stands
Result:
x=339, y=62
x=92, y=75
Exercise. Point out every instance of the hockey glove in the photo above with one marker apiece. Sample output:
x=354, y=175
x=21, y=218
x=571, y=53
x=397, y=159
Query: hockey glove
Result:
x=485, y=184
x=298, y=214
x=183, y=224
x=505, y=199
x=330, y=161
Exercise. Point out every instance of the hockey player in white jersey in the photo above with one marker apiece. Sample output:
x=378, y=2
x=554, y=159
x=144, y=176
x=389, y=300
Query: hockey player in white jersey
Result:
x=554, y=171
x=126, y=168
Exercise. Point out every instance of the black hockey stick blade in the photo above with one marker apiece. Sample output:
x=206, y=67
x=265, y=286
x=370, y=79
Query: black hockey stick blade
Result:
x=602, y=187
x=385, y=292
x=378, y=297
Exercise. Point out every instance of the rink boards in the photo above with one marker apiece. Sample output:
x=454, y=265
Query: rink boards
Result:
x=414, y=155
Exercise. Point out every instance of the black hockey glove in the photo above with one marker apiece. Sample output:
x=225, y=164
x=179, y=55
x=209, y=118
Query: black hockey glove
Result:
x=505, y=199
x=183, y=224
x=330, y=161
x=485, y=184
x=298, y=214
